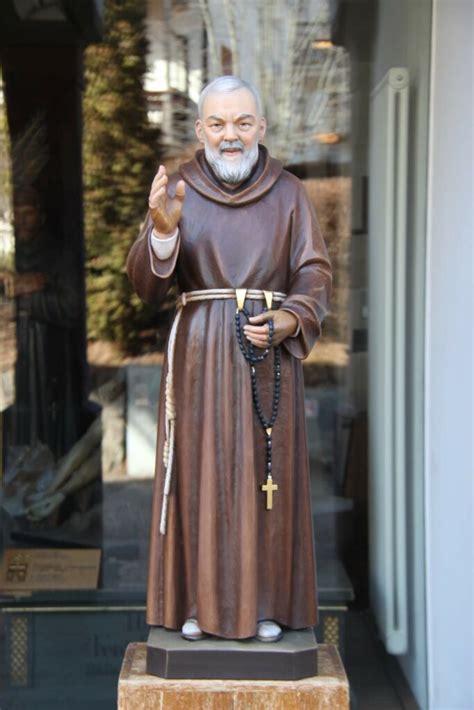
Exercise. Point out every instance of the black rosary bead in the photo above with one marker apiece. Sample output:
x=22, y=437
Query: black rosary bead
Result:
x=249, y=354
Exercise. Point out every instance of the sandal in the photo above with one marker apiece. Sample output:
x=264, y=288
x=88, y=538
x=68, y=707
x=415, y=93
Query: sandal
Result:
x=191, y=630
x=268, y=631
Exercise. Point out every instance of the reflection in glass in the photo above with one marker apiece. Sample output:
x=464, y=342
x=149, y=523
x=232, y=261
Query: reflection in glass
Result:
x=49, y=462
x=7, y=260
x=285, y=48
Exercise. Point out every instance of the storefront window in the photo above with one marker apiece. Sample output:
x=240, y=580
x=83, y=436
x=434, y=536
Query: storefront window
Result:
x=81, y=356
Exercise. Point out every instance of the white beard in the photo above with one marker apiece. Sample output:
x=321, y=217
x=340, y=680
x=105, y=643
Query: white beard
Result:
x=236, y=171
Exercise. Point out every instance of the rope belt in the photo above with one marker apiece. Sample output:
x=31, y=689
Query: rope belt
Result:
x=240, y=295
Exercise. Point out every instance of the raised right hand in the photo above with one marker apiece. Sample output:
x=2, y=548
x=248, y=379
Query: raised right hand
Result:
x=165, y=211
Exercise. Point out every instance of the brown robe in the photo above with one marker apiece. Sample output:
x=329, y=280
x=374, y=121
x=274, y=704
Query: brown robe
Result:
x=226, y=560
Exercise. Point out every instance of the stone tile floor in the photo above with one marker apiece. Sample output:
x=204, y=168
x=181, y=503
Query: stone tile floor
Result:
x=376, y=680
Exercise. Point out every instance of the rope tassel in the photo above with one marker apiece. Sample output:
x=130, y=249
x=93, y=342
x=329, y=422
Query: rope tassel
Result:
x=170, y=422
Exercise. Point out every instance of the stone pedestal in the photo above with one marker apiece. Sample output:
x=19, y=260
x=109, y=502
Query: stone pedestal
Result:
x=139, y=691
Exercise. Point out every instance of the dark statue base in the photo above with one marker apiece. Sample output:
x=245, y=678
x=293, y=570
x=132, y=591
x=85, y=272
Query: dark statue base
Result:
x=294, y=657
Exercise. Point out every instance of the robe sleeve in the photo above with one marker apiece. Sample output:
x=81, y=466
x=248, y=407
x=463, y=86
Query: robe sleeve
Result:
x=60, y=303
x=310, y=279
x=150, y=277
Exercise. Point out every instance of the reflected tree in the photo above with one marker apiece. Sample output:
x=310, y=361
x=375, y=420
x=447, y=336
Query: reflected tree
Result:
x=120, y=159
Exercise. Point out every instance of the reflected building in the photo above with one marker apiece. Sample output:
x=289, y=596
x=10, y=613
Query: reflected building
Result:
x=176, y=68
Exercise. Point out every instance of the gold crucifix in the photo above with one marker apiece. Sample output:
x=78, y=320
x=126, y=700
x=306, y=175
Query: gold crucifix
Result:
x=269, y=487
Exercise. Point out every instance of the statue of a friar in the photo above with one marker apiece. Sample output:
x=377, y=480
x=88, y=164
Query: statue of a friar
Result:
x=232, y=551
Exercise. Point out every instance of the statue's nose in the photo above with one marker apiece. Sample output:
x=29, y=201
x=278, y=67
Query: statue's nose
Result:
x=230, y=133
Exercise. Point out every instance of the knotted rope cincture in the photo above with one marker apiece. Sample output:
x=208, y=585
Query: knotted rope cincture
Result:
x=170, y=405
x=170, y=421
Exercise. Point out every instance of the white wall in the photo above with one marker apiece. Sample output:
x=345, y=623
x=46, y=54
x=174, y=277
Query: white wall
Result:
x=449, y=362
x=402, y=37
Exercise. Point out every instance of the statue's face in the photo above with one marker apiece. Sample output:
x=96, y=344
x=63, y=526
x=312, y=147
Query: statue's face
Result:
x=27, y=220
x=230, y=130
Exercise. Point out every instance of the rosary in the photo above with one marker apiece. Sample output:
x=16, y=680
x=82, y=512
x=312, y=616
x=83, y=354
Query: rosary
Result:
x=249, y=353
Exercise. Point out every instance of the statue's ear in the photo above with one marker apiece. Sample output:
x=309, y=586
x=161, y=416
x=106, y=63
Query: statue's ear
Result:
x=199, y=130
x=262, y=129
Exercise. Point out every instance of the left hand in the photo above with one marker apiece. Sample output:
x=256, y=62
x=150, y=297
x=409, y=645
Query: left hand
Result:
x=284, y=325
x=22, y=284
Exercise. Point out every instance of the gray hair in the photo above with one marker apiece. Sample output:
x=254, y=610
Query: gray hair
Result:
x=226, y=84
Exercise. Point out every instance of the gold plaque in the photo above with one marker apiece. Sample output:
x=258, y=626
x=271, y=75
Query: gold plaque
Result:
x=36, y=569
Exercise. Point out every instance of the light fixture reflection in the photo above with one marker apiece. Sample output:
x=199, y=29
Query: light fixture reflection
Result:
x=322, y=44
x=327, y=138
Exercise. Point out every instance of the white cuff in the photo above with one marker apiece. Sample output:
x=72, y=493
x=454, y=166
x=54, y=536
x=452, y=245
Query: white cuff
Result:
x=297, y=331
x=163, y=248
